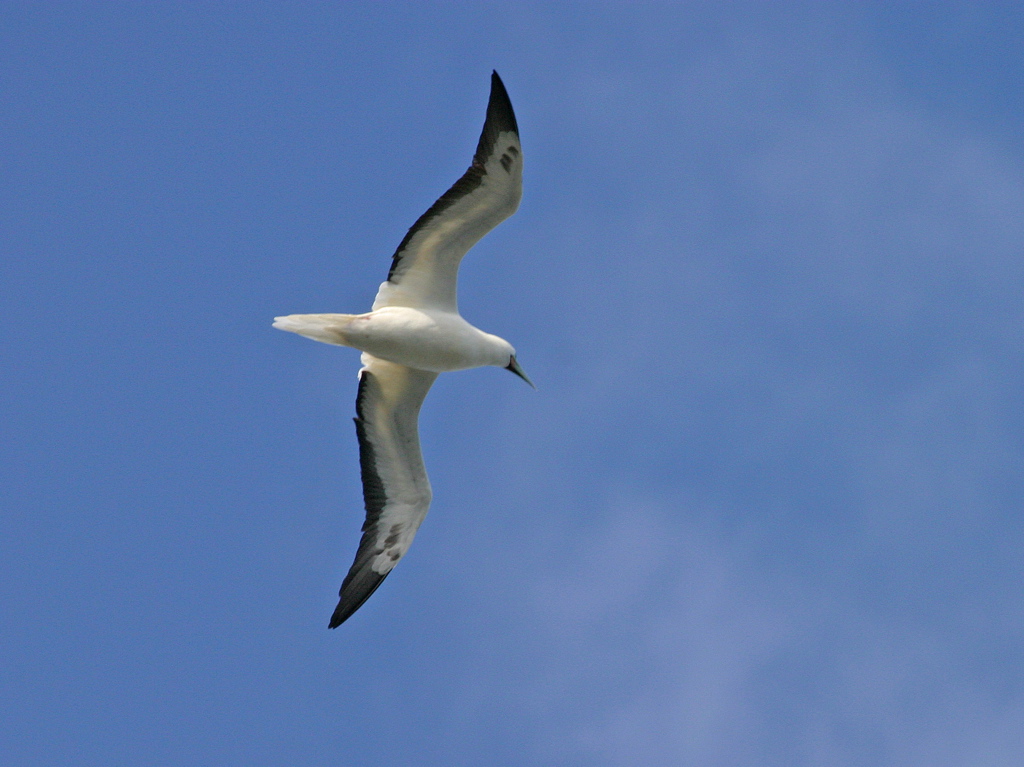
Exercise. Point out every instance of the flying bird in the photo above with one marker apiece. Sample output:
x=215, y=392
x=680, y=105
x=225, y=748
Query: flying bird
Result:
x=412, y=333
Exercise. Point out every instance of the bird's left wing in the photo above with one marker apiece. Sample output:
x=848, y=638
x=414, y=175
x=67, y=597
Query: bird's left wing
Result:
x=425, y=268
x=395, y=485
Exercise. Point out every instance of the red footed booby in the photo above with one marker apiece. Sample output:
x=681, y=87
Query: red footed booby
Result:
x=412, y=333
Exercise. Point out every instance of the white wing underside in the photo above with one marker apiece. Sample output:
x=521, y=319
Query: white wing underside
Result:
x=395, y=485
x=425, y=268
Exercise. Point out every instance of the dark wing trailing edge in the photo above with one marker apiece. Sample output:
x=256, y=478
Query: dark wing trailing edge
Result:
x=396, y=490
x=361, y=580
x=425, y=266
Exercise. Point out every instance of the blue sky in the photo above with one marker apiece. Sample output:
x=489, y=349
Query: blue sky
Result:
x=765, y=507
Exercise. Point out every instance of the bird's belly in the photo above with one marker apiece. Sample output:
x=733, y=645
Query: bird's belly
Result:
x=415, y=339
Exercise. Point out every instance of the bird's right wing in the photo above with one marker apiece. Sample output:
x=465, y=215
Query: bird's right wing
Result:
x=395, y=485
x=425, y=268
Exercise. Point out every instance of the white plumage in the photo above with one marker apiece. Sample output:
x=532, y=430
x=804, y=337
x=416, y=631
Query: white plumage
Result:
x=413, y=332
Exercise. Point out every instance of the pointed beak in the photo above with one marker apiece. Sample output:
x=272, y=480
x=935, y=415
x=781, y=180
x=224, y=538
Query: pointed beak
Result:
x=514, y=367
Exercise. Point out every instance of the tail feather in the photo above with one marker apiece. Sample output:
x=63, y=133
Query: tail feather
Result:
x=327, y=328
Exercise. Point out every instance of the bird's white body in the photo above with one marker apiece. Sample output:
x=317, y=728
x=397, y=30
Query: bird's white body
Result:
x=413, y=333
x=425, y=339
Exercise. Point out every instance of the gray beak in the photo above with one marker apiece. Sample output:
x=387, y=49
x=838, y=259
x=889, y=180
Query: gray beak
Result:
x=514, y=367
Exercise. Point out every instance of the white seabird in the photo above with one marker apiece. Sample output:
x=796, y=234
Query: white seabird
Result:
x=413, y=332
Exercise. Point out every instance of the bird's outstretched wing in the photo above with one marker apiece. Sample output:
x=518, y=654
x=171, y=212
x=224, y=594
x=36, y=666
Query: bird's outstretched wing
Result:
x=424, y=269
x=395, y=485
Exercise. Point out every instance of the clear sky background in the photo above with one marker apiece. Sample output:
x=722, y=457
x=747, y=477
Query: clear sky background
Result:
x=768, y=273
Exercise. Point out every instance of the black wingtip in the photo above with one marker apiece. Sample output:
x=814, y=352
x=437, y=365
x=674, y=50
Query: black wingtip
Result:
x=354, y=598
x=499, y=107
